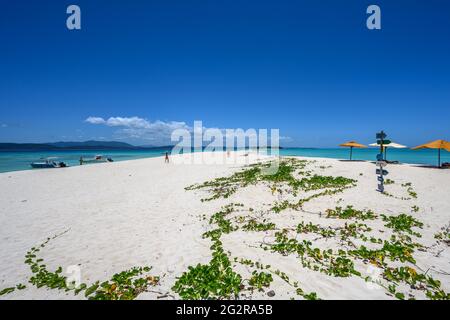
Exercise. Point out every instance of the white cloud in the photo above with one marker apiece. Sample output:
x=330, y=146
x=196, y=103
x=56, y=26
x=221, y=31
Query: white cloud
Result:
x=157, y=132
x=95, y=120
x=133, y=122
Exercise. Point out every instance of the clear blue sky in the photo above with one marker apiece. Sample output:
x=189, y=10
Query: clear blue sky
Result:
x=310, y=68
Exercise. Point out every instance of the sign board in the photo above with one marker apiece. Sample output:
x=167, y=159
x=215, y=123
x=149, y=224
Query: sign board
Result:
x=381, y=163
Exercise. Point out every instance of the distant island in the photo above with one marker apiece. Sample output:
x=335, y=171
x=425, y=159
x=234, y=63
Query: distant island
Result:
x=85, y=145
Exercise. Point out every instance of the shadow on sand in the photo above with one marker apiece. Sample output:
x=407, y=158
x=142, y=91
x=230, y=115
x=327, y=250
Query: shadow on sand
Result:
x=431, y=167
x=389, y=162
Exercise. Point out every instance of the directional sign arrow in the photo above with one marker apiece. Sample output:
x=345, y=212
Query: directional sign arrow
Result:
x=382, y=172
x=383, y=141
x=381, y=163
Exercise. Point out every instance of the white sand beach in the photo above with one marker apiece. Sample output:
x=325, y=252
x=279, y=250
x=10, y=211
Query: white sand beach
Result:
x=115, y=216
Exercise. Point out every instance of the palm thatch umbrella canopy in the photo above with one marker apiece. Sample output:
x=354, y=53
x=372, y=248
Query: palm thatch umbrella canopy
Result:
x=351, y=145
x=389, y=145
x=438, y=144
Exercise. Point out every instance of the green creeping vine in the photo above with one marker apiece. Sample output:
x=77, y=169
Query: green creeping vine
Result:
x=308, y=296
x=216, y=280
x=409, y=189
x=315, y=228
x=9, y=290
x=444, y=235
x=125, y=285
x=224, y=225
x=349, y=212
x=280, y=206
x=253, y=225
x=43, y=277
x=354, y=230
x=338, y=263
x=350, y=230
x=226, y=186
x=326, y=261
x=260, y=279
x=416, y=280
x=294, y=178
x=253, y=174
x=402, y=223
x=283, y=276
x=394, y=250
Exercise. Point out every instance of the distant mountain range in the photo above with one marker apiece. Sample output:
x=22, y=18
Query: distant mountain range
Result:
x=85, y=145
x=91, y=143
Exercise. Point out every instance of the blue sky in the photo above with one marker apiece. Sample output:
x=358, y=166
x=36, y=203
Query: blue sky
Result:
x=310, y=68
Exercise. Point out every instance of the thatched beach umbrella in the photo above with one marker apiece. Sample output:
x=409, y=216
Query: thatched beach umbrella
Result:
x=389, y=145
x=438, y=144
x=351, y=145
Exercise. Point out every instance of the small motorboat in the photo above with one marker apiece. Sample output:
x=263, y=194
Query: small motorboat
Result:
x=48, y=163
x=96, y=159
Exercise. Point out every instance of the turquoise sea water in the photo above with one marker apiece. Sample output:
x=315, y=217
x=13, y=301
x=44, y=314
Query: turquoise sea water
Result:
x=14, y=161
x=423, y=156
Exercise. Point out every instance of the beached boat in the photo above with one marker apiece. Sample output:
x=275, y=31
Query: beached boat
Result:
x=48, y=163
x=96, y=159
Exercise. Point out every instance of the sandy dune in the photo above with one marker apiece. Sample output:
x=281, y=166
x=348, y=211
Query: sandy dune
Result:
x=137, y=213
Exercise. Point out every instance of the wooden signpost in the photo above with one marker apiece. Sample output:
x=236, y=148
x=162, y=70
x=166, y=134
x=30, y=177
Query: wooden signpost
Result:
x=383, y=142
x=381, y=163
x=382, y=172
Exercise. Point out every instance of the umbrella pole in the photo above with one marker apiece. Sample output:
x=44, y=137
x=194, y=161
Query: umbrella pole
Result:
x=439, y=158
x=351, y=151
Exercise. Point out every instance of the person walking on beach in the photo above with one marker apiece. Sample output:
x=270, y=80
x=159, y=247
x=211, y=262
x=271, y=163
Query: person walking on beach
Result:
x=167, y=158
